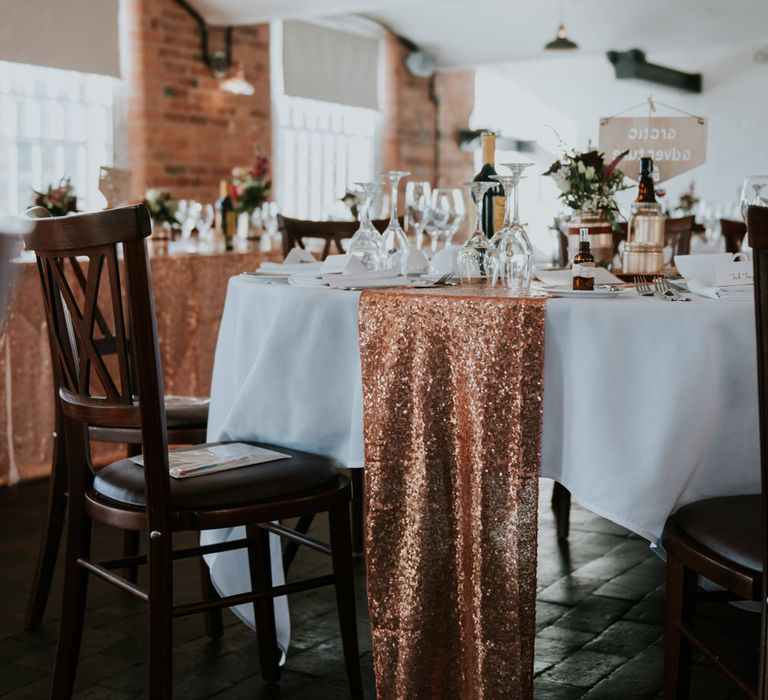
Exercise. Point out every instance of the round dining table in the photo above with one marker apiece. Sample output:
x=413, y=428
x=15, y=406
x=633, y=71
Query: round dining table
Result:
x=647, y=404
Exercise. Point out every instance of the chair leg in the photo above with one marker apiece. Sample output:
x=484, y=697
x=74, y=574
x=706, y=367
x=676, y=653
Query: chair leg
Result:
x=131, y=537
x=214, y=625
x=73, y=605
x=161, y=617
x=292, y=547
x=358, y=511
x=341, y=553
x=49, y=544
x=680, y=609
x=260, y=565
x=561, y=505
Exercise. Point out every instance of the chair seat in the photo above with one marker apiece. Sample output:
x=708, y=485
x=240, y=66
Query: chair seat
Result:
x=123, y=482
x=186, y=412
x=729, y=527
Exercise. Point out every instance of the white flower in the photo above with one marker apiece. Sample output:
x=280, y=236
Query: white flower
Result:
x=589, y=172
x=580, y=167
x=561, y=180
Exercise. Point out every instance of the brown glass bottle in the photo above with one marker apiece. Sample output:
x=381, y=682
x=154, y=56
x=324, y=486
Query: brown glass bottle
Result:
x=493, y=201
x=584, y=264
x=646, y=191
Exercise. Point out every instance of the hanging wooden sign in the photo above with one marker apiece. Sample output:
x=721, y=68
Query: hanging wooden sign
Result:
x=676, y=144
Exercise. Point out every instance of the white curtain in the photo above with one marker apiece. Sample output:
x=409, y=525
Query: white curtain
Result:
x=327, y=64
x=79, y=35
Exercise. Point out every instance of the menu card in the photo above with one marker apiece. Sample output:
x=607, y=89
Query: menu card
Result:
x=198, y=461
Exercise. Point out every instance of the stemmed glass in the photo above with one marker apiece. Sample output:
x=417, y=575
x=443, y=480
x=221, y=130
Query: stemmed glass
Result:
x=395, y=240
x=367, y=244
x=512, y=242
x=754, y=192
x=478, y=260
x=446, y=212
x=417, y=197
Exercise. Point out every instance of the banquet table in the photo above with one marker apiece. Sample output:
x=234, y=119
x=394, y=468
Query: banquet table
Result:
x=189, y=290
x=647, y=405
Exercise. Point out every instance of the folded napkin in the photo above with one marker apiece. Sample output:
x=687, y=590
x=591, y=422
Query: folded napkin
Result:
x=704, y=289
x=270, y=268
x=371, y=280
x=299, y=280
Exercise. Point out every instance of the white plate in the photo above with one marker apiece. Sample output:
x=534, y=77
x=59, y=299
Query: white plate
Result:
x=583, y=293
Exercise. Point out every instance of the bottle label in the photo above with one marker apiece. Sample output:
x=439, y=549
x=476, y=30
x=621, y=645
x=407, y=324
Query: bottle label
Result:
x=584, y=270
x=498, y=213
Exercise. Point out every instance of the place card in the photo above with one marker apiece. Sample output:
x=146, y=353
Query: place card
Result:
x=342, y=265
x=737, y=272
x=299, y=255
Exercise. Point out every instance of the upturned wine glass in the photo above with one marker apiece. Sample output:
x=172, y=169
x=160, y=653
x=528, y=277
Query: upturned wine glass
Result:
x=367, y=244
x=754, y=192
x=417, y=198
x=512, y=242
x=446, y=212
x=478, y=260
x=395, y=240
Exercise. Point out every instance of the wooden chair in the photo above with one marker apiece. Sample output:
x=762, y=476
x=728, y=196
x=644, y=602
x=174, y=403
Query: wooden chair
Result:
x=129, y=392
x=187, y=420
x=677, y=234
x=294, y=232
x=722, y=539
x=733, y=233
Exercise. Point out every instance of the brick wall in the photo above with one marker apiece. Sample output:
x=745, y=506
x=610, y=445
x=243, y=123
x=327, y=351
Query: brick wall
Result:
x=181, y=131
x=409, y=121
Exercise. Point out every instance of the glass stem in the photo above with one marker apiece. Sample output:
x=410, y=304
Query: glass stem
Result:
x=393, y=207
x=516, y=219
x=508, y=195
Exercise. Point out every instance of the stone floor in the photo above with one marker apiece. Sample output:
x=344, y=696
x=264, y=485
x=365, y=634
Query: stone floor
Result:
x=600, y=614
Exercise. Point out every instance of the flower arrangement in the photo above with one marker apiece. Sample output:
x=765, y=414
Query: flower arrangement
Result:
x=688, y=201
x=162, y=206
x=59, y=200
x=352, y=202
x=586, y=183
x=249, y=187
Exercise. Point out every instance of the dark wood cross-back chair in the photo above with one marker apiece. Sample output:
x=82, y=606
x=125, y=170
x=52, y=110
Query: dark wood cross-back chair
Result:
x=128, y=391
x=733, y=233
x=187, y=421
x=294, y=232
x=722, y=539
x=677, y=234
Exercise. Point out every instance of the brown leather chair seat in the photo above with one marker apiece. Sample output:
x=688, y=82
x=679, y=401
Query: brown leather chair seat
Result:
x=729, y=526
x=186, y=412
x=123, y=482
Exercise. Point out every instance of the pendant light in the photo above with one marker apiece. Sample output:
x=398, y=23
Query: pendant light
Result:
x=237, y=84
x=561, y=42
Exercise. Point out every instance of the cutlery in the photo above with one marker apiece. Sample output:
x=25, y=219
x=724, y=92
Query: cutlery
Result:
x=440, y=281
x=643, y=287
x=663, y=290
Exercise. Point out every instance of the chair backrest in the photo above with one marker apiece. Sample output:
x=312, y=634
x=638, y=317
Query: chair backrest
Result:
x=294, y=231
x=677, y=234
x=93, y=309
x=733, y=233
x=757, y=225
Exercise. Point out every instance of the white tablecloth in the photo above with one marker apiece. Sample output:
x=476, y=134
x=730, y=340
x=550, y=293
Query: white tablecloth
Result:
x=648, y=405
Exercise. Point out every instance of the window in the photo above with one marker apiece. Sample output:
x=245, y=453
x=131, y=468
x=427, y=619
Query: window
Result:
x=321, y=150
x=53, y=123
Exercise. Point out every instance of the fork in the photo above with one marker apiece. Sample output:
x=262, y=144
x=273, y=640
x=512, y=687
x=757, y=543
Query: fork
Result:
x=664, y=290
x=643, y=287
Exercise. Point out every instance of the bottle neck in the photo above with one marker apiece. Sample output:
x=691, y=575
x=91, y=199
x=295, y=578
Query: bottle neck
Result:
x=488, y=145
x=584, y=247
x=646, y=191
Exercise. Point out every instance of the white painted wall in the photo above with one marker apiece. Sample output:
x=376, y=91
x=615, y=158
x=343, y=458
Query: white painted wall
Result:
x=570, y=92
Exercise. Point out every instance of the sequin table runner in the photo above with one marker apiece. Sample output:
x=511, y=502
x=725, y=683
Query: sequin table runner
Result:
x=452, y=385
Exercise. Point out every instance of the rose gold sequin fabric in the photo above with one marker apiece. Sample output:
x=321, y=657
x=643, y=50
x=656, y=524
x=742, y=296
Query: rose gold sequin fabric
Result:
x=189, y=295
x=452, y=384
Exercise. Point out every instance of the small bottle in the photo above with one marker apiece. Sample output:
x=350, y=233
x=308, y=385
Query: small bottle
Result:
x=646, y=191
x=493, y=201
x=224, y=222
x=584, y=264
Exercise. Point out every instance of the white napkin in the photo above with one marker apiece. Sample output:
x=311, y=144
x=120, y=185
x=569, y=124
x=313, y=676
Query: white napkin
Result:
x=270, y=268
x=300, y=280
x=370, y=280
x=299, y=255
x=704, y=289
x=564, y=278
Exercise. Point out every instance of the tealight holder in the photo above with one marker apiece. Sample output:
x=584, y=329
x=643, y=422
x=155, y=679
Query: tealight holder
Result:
x=644, y=250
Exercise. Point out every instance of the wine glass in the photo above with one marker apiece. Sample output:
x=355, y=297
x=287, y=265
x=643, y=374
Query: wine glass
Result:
x=512, y=242
x=417, y=194
x=395, y=240
x=754, y=192
x=367, y=244
x=478, y=260
x=446, y=212
x=204, y=221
